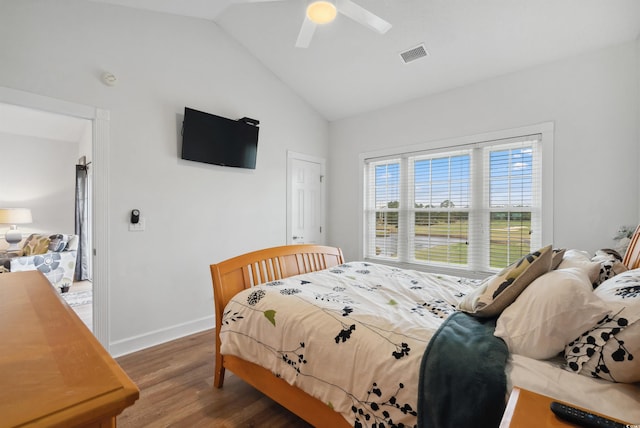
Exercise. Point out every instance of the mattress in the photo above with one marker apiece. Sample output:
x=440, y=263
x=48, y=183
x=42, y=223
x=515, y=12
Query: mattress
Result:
x=353, y=336
x=548, y=377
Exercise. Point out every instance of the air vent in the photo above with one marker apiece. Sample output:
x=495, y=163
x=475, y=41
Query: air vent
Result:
x=413, y=54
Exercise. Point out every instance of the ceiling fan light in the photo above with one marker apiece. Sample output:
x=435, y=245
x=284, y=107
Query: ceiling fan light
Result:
x=321, y=12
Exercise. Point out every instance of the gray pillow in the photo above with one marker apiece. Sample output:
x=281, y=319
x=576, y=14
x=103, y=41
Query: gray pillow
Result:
x=58, y=242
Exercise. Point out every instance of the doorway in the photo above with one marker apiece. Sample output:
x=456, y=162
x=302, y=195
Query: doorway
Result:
x=99, y=140
x=53, y=149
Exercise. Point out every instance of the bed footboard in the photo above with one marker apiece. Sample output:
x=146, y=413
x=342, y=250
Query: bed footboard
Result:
x=236, y=274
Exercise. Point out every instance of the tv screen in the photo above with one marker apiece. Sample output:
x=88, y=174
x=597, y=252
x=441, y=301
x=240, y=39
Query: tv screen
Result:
x=219, y=141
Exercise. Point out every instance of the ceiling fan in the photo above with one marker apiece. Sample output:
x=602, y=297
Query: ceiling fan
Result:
x=321, y=12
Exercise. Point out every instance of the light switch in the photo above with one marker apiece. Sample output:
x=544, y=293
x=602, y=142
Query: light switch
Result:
x=137, y=227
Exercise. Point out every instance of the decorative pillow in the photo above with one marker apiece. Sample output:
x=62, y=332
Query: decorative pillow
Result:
x=73, y=243
x=5, y=264
x=499, y=291
x=58, y=242
x=580, y=259
x=610, y=264
x=608, y=252
x=553, y=310
x=619, y=359
x=35, y=244
x=611, y=350
x=608, y=351
x=623, y=288
x=556, y=257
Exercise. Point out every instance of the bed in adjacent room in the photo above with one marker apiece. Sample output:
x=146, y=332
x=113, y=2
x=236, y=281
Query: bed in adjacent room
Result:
x=370, y=345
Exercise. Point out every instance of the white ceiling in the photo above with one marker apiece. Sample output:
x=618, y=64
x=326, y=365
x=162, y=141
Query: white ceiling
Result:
x=349, y=69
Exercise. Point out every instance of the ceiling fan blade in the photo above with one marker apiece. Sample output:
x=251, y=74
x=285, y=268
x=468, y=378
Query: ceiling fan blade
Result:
x=363, y=16
x=306, y=33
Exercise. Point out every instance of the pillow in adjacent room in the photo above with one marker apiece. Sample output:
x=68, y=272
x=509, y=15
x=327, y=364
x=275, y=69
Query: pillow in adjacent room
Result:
x=35, y=244
x=58, y=242
x=611, y=350
x=582, y=260
x=499, y=291
x=552, y=311
x=73, y=243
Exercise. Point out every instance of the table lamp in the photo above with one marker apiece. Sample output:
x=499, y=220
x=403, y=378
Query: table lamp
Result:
x=14, y=216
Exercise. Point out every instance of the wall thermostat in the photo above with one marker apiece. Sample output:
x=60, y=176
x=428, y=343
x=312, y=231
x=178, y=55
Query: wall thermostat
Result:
x=135, y=216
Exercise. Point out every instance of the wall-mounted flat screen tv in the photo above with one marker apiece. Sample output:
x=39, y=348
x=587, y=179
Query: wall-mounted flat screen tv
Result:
x=219, y=141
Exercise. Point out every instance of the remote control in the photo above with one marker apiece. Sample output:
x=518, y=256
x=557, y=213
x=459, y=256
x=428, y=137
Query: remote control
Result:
x=582, y=418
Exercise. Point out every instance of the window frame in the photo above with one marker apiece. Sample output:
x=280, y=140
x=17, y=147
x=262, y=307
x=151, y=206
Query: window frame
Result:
x=546, y=130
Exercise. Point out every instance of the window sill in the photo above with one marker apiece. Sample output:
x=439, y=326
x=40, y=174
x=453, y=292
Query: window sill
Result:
x=442, y=270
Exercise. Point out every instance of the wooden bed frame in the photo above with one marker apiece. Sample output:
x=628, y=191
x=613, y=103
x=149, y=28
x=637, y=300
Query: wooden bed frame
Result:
x=632, y=256
x=234, y=275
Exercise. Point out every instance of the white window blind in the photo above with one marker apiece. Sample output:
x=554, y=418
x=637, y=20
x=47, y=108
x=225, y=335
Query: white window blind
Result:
x=474, y=207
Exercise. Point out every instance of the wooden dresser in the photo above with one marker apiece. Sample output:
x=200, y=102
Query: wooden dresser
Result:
x=53, y=371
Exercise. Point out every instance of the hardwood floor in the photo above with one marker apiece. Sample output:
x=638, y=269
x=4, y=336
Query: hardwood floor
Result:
x=176, y=390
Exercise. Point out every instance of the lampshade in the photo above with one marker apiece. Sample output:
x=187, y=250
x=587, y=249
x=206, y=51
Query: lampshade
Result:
x=321, y=12
x=15, y=216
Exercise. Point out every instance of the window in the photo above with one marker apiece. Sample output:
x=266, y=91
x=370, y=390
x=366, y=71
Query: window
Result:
x=473, y=207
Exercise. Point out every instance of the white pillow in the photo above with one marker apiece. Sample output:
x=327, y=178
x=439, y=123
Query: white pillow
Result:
x=581, y=259
x=555, y=309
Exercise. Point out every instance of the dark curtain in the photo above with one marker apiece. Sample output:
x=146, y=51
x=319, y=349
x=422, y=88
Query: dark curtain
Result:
x=82, y=224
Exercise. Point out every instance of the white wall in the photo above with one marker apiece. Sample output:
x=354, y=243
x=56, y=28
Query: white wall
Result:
x=39, y=174
x=195, y=214
x=85, y=145
x=638, y=92
x=592, y=100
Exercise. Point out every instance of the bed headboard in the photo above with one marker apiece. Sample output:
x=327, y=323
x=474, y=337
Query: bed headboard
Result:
x=234, y=275
x=632, y=256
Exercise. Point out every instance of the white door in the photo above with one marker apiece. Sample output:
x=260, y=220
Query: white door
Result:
x=306, y=201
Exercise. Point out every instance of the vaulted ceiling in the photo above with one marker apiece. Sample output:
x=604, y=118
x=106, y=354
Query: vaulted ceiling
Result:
x=349, y=69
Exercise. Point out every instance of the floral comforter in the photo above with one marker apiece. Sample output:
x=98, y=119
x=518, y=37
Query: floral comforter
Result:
x=352, y=336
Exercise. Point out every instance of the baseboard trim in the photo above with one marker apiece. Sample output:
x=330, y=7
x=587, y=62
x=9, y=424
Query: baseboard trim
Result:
x=147, y=340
